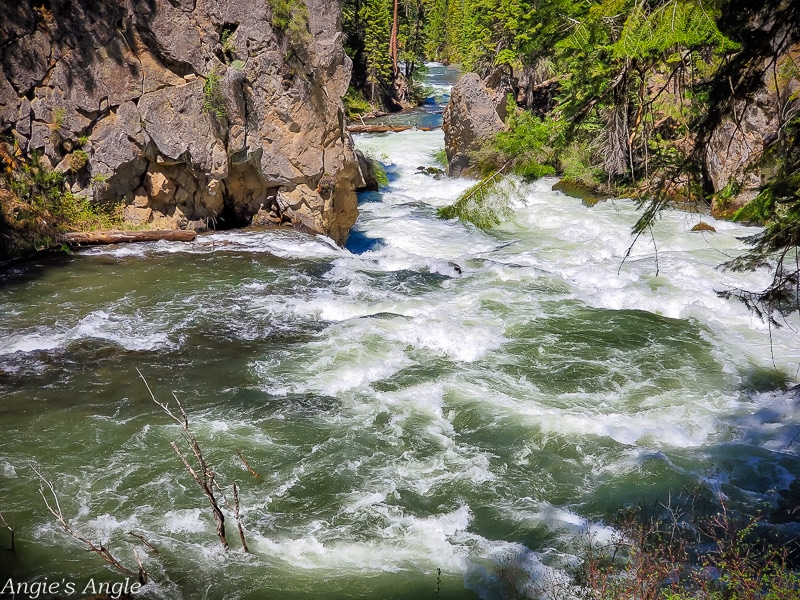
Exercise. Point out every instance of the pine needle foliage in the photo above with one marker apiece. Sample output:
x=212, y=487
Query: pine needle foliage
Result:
x=486, y=204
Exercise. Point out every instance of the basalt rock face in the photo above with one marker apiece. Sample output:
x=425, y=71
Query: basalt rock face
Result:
x=196, y=113
x=733, y=157
x=474, y=114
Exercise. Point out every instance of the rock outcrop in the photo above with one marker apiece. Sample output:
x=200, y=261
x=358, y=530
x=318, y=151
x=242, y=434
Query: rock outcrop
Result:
x=194, y=113
x=733, y=155
x=475, y=113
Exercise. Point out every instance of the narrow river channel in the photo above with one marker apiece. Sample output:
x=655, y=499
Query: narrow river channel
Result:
x=421, y=406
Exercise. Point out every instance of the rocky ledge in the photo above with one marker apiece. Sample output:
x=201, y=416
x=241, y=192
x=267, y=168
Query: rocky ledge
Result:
x=194, y=113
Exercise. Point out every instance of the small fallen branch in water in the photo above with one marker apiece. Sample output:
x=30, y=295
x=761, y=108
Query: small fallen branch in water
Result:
x=100, y=550
x=11, y=529
x=384, y=128
x=203, y=474
x=247, y=465
x=150, y=546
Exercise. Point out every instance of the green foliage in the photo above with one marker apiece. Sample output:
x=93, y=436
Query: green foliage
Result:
x=78, y=160
x=778, y=245
x=485, y=204
x=213, y=98
x=355, y=104
x=237, y=65
x=58, y=117
x=419, y=90
x=527, y=148
x=36, y=205
x=440, y=156
x=379, y=171
x=291, y=17
x=680, y=556
x=377, y=14
x=226, y=40
x=367, y=26
x=577, y=164
x=666, y=26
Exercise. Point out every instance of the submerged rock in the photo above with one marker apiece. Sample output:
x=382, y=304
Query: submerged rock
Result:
x=190, y=113
x=703, y=226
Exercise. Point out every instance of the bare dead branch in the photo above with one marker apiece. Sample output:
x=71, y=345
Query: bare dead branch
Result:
x=100, y=550
x=164, y=406
x=142, y=572
x=206, y=484
x=11, y=529
x=247, y=465
x=149, y=546
x=235, y=510
x=238, y=517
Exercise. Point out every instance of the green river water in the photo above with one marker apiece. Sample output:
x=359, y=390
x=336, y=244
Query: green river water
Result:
x=433, y=397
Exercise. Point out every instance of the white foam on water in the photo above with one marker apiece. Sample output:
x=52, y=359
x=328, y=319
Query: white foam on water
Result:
x=31, y=342
x=185, y=521
x=132, y=332
x=405, y=542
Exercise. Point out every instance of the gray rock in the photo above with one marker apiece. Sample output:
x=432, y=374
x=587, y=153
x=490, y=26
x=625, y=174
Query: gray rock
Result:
x=9, y=104
x=129, y=77
x=736, y=146
x=474, y=114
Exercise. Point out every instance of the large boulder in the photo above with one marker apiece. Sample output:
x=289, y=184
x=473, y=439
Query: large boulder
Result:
x=474, y=114
x=193, y=113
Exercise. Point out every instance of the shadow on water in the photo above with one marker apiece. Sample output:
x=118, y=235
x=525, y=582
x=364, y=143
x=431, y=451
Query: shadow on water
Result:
x=365, y=197
x=359, y=242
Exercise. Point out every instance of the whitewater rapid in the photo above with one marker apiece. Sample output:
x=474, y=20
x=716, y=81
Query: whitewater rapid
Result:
x=433, y=396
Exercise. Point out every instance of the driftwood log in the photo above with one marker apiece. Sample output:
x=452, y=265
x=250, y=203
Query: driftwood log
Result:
x=120, y=237
x=384, y=128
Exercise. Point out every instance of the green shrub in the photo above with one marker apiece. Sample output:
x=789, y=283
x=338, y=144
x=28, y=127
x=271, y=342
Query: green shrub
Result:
x=530, y=144
x=36, y=206
x=78, y=160
x=291, y=17
x=380, y=174
x=668, y=558
x=226, y=40
x=440, y=156
x=213, y=99
x=576, y=164
x=355, y=104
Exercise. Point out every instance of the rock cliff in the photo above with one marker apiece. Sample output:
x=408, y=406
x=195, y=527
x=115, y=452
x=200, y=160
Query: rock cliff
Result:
x=195, y=113
x=736, y=147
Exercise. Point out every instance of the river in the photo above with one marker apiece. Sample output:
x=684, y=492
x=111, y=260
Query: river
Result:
x=421, y=406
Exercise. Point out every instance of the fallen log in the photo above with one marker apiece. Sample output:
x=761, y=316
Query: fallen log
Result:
x=384, y=128
x=121, y=237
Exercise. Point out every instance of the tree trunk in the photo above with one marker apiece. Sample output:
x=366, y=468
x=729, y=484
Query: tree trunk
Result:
x=393, y=42
x=118, y=237
x=383, y=128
